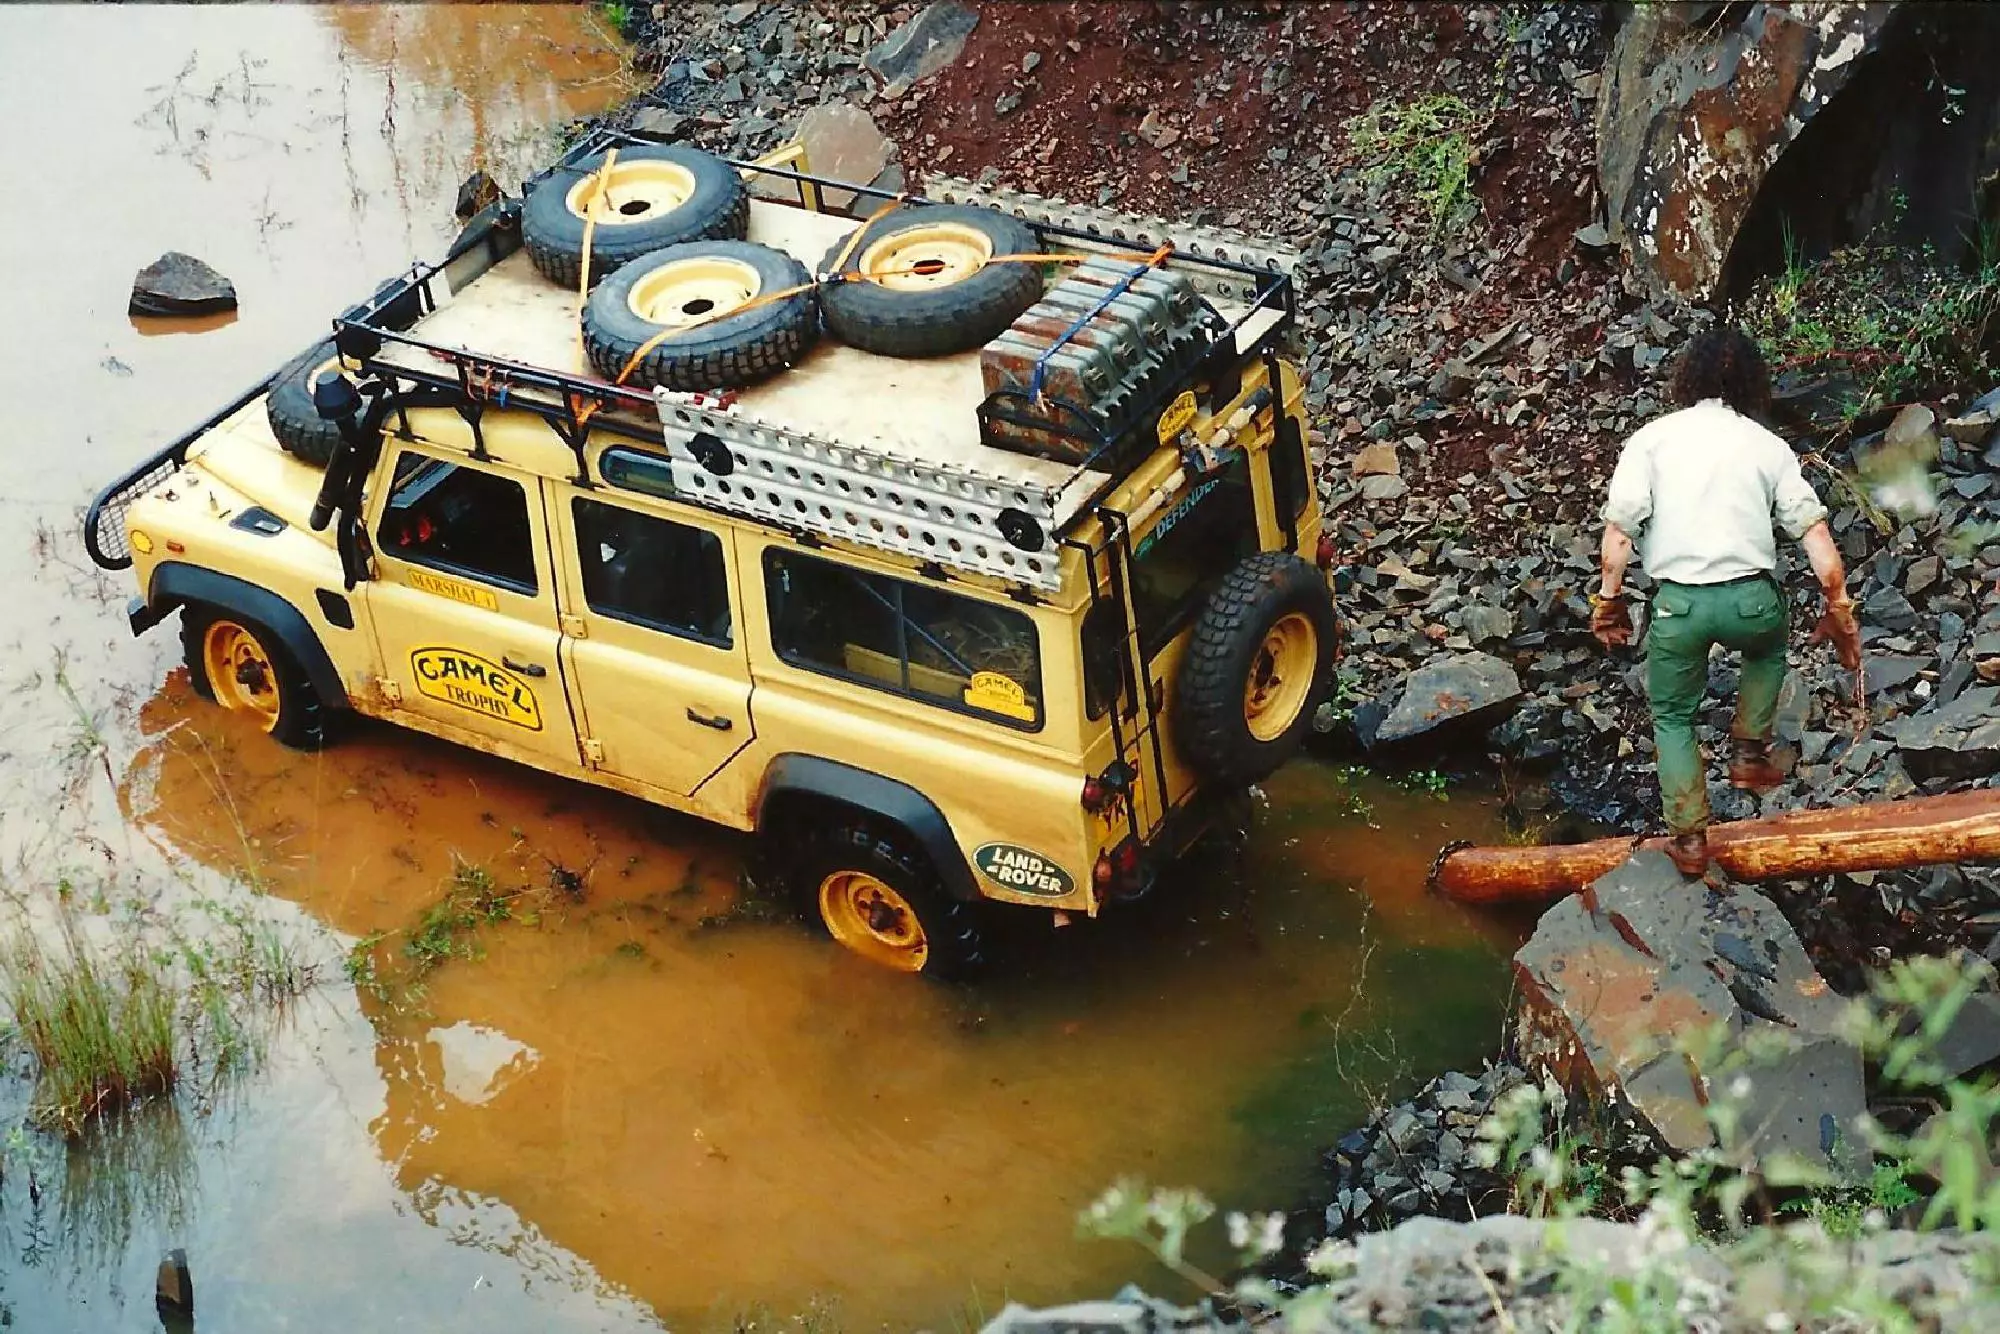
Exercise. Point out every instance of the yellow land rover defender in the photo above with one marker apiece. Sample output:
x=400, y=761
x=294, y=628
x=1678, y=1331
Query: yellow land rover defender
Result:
x=963, y=548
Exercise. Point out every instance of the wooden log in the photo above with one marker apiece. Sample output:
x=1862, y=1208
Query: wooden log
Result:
x=1884, y=836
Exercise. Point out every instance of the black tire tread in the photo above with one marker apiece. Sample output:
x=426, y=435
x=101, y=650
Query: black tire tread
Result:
x=725, y=355
x=956, y=934
x=294, y=421
x=304, y=721
x=554, y=239
x=1209, y=726
x=943, y=320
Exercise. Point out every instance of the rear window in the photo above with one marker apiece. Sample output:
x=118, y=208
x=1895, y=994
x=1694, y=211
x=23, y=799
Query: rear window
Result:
x=914, y=639
x=1193, y=545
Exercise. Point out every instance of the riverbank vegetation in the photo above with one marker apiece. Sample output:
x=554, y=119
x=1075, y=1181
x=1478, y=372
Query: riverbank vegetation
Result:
x=116, y=1009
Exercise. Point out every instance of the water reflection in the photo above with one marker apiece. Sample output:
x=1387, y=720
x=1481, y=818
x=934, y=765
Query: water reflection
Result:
x=711, y=1105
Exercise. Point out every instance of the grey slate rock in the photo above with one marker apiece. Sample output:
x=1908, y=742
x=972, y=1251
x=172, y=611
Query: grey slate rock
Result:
x=1469, y=691
x=1958, y=741
x=176, y=284
x=924, y=45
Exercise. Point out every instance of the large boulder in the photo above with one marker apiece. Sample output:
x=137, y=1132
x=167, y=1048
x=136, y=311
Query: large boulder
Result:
x=1696, y=107
x=1624, y=986
x=1463, y=694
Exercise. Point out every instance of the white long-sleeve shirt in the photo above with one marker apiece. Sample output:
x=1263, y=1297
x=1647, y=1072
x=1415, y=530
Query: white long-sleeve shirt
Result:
x=1699, y=489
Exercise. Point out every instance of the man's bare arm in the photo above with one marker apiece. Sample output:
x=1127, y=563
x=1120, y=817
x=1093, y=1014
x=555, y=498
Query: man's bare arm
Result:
x=1616, y=554
x=1826, y=562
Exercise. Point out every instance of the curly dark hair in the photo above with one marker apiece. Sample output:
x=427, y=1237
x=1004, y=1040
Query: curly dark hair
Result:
x=1725, y=363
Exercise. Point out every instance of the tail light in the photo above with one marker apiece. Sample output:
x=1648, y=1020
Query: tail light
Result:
x=1326, y=553
x=1117, y=873
x=1095, y=794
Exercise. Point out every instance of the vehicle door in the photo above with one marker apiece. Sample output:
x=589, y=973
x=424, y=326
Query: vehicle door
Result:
x=658, y=674
x=463, y=602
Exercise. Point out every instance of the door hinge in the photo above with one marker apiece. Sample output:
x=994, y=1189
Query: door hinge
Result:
x=392, y=692
x=573, y=626
x=593, y=751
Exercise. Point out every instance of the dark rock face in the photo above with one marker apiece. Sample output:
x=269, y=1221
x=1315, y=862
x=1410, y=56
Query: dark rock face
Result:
x=1696, y=108
x=178, y=284
x=1469, y=691
x=924, y=45
x=1617, y=975
x=1959, y=741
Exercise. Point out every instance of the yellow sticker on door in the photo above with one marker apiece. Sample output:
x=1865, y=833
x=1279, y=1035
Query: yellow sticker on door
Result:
x=468, y=681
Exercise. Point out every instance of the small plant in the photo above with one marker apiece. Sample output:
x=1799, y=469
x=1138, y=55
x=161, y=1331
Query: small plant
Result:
x=448, y=929
x=1426, y=146
x=1434, y=782
x=100, y=1022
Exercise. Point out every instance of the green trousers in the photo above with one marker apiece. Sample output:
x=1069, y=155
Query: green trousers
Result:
x=1748, y=615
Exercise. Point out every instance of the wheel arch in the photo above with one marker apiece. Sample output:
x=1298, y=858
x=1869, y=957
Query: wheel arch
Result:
x=177, y=584
x=795, y=782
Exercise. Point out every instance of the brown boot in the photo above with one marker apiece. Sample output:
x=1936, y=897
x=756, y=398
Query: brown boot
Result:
x=1751, y=767
x=1689, y=853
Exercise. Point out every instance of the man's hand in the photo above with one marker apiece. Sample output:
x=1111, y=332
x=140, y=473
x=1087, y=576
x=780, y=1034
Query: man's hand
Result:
x=1610, y=622
x=1838, y=627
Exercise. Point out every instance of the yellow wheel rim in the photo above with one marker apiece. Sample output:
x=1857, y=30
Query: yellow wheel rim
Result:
x=1281, y=677
x=241, y=672
x=925, y=256
x=631, y=192
x=689, y=291
x=873, y=920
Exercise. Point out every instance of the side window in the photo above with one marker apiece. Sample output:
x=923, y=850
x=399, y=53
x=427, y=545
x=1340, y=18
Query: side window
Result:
x=460, y=519
x=1193, y=545
x=652, y=571
x=914, y=639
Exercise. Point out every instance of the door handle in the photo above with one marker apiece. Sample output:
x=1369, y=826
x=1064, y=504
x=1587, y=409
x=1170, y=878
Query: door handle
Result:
x=716, y=721
x=524, y=668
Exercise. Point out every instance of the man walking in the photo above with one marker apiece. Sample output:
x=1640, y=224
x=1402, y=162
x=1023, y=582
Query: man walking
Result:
x=1699, y=489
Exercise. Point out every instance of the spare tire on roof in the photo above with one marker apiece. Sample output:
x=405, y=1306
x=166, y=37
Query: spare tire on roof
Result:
x=290, y=411
x=655, y=195
x=919, y=281
x=694, y=287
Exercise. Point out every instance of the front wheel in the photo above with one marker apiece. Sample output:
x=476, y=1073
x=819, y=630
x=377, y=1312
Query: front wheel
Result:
x=883, y=901
x=244, y=667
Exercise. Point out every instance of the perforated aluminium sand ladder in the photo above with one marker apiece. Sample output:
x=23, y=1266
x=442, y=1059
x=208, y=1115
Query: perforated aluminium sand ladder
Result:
x=959, y=516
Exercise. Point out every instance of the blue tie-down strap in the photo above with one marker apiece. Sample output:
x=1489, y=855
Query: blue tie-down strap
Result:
x=1111, y=294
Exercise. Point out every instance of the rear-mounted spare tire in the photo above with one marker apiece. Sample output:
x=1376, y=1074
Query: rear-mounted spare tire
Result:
x=920, y=281
x=653, y=196
x=692, y=288
x=1258, y=662
x=289, y=407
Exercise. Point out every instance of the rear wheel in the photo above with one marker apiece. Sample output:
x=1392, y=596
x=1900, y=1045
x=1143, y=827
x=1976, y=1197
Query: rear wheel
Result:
x=883, y=901
x=244, y=667
x=1260, y=655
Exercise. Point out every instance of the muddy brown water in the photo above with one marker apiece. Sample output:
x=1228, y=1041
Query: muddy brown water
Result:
x=650, y=1101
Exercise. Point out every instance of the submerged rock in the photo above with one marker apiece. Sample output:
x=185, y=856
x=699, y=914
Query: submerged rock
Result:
x=181, y=285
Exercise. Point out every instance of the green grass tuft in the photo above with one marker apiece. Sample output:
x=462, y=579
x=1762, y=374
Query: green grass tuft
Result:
x=100, y=1021
x=1425, y=147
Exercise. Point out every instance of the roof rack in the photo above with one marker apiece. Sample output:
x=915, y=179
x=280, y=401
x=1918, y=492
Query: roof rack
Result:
x=729, y=458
